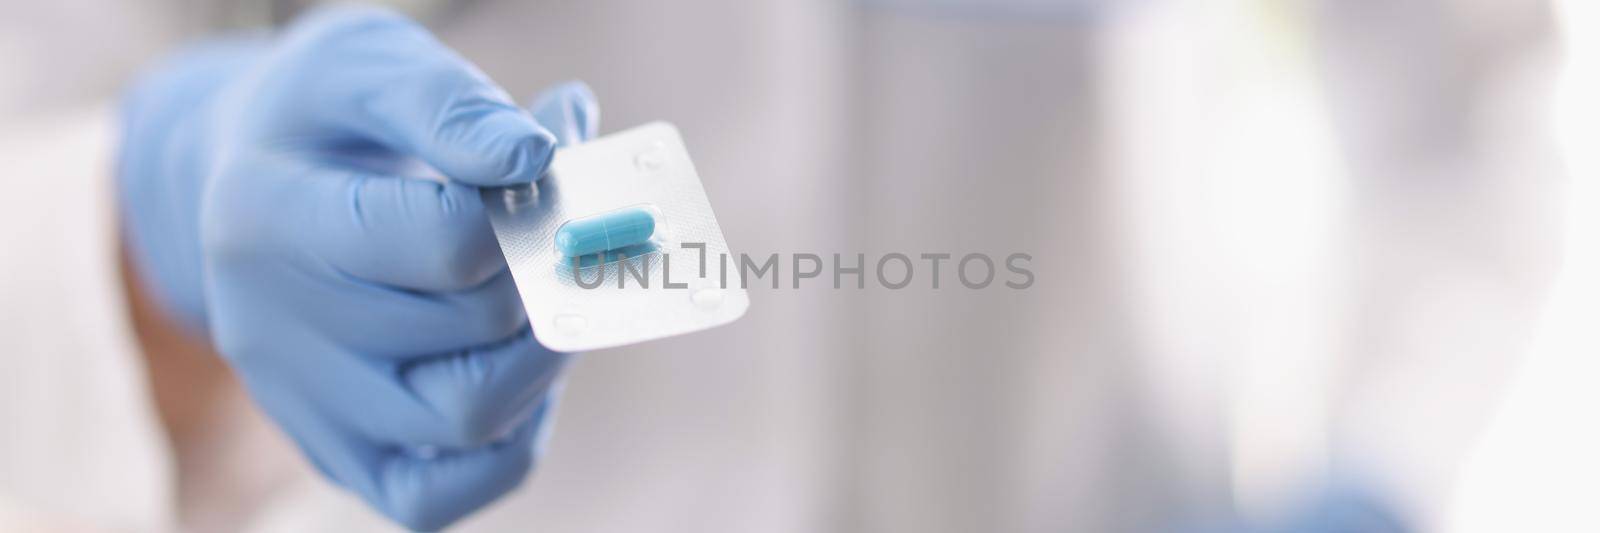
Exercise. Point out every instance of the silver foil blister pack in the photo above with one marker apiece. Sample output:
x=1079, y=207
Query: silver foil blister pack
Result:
x=675, y=283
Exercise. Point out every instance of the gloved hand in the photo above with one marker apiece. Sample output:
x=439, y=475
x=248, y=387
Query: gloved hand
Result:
x=270, y=198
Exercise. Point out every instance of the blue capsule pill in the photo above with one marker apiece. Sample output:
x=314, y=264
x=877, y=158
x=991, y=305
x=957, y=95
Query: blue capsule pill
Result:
x=606, y=231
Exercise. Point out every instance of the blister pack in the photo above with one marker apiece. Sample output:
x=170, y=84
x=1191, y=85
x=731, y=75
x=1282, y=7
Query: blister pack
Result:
x=634, y=195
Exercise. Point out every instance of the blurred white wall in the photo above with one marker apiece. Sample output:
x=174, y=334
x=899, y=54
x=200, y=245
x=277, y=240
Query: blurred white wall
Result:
x=1537, y=468
x=75, y=53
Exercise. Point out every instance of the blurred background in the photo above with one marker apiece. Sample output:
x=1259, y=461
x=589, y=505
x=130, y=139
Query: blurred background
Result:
x=1282, y=248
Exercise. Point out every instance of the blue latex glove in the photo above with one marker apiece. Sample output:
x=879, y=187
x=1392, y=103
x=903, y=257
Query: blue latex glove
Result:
x=370, y=314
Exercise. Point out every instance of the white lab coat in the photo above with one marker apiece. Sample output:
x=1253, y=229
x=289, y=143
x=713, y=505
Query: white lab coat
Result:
x=1200, y=335
x=82, y=443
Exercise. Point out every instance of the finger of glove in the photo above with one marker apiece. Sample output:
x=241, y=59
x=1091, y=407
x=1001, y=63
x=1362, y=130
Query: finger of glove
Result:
x=544, y=416
x=380, y=76
x=394, y=324
x=408, y=233
x=370, y=399
x=569, y=110
x=309, y=241
x=430, y=493
x=422, y=492
x=484, y=393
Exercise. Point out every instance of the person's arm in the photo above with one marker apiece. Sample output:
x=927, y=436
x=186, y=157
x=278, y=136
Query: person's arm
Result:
x=268, y=199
